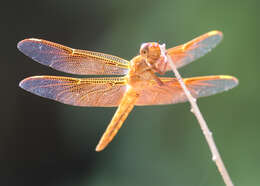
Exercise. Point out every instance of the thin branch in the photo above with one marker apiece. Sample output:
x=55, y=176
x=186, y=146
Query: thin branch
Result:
x=203, y=125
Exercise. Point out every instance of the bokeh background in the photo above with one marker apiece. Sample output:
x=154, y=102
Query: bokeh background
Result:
x=46, y=143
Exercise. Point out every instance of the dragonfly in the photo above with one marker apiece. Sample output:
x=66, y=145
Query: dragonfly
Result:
x=140, y=82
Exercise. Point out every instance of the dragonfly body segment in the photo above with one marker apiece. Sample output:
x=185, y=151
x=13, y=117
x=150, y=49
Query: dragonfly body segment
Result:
x=139, y=86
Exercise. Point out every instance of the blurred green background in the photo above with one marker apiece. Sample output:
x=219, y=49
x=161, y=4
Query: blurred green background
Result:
x=46, y=143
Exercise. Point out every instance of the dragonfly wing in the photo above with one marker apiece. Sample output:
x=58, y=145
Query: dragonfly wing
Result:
x=194, y=49
x=70, y=60
x=96, y=92
x=171, y=92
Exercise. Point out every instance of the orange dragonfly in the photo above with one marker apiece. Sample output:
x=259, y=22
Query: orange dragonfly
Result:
x=139, y=86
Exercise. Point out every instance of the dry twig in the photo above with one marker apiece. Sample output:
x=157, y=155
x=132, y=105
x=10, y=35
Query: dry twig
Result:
x=203, y=125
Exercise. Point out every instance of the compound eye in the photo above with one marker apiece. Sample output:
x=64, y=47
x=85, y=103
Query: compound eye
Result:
x=144, y=51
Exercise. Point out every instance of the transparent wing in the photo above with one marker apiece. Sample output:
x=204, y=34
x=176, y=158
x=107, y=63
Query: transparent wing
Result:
x=70, y=60
x=194, y=49
x=171, y=92
x=96, y=92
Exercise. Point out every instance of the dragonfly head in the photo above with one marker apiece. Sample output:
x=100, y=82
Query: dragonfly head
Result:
x=153, y=52
x=150, y=51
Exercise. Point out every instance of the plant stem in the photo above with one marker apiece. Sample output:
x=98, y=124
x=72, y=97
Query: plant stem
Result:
x=203, y=125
